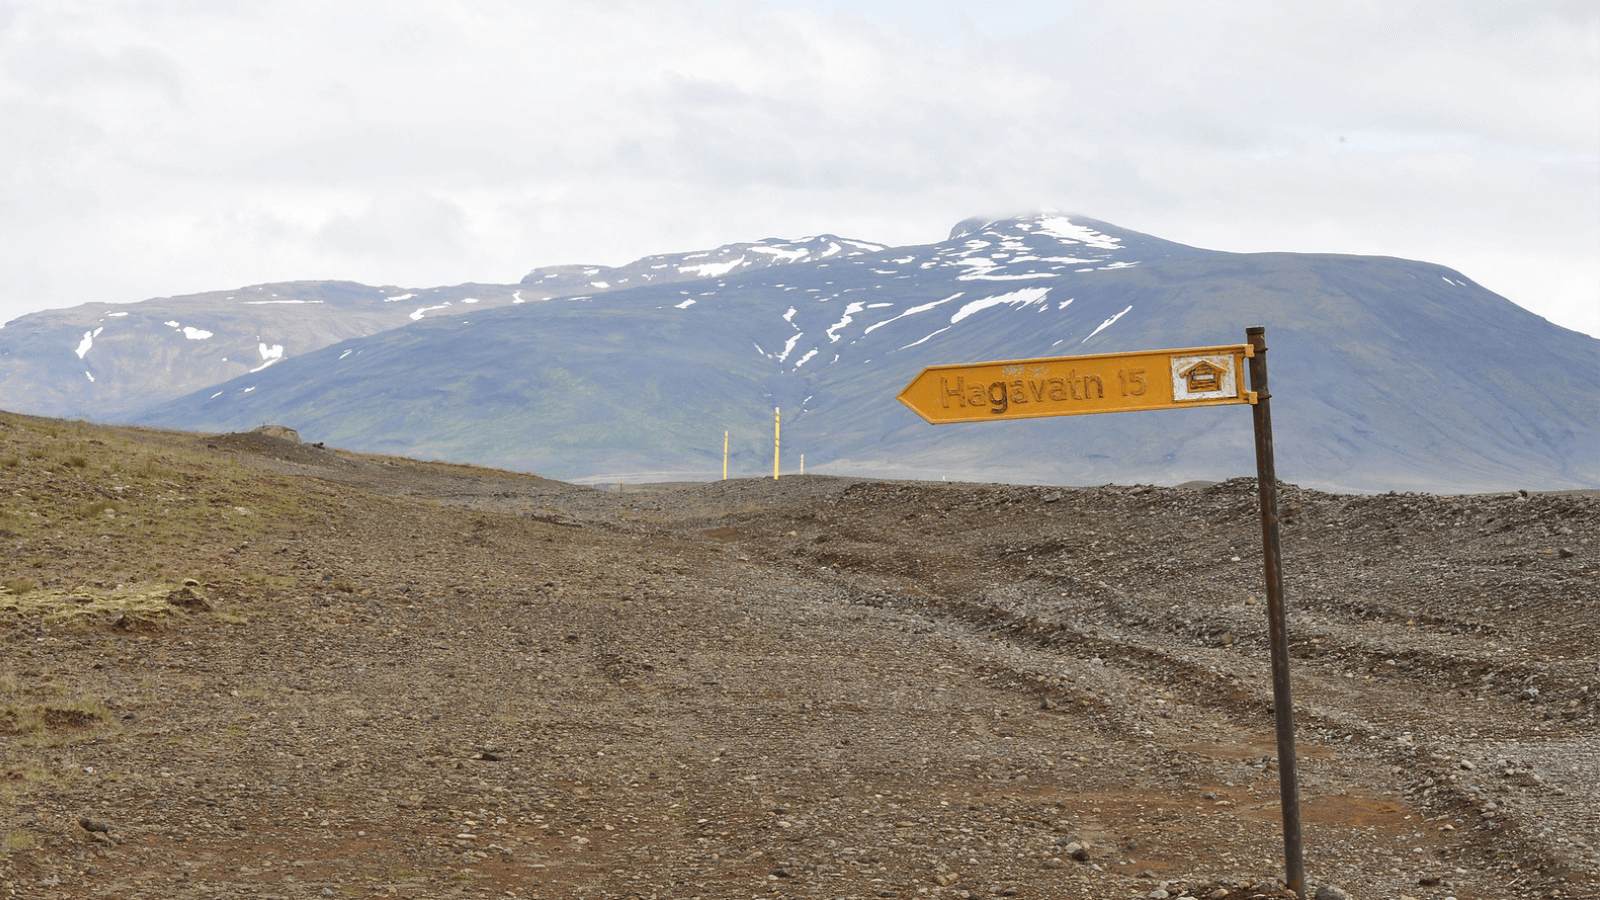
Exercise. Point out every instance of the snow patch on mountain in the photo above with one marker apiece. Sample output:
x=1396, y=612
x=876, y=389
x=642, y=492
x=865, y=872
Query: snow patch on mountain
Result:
x=1021, y=299
x=1024, y=276
x=845, y=320
x=1107, y=324
x=787, y=254
x=934, y=335
x=1063, y=229
x=789, y=345
x=88, y=341
x=709, y=270
x=914, y=310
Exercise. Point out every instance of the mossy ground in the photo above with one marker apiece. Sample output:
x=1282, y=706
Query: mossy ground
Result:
x=108, y=506
x=124, y=531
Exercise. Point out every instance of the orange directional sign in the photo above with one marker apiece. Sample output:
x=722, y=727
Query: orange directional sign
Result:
x=1080, y=385
x=1125, y=382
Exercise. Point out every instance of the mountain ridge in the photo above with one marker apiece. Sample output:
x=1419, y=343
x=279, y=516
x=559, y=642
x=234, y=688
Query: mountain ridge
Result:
x=1389, y=373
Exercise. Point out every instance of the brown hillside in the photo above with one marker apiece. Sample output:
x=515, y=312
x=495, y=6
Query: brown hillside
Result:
x=236, y=666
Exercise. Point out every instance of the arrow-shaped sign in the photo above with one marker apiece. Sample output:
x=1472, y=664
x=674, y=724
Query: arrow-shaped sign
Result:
x=1080, y=385
x=1125, y=382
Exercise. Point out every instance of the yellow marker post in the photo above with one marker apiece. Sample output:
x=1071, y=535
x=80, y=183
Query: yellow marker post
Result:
x=777, y=437
x=724, y=456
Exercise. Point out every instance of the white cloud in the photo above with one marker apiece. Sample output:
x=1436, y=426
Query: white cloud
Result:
x=159, y=148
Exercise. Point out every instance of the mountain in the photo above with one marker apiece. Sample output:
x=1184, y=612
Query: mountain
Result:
x=100, y=360
x=1387, y=373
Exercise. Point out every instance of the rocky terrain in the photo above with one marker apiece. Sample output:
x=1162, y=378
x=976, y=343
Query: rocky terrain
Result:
x=239, y=666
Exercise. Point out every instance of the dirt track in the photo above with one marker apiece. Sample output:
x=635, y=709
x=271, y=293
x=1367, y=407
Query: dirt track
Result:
x=443, y=681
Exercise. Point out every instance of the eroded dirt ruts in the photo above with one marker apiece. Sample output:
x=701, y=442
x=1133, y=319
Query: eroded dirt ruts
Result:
x=458, y=682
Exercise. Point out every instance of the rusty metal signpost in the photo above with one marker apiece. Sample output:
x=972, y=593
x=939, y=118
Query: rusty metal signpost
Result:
x=1127, y=382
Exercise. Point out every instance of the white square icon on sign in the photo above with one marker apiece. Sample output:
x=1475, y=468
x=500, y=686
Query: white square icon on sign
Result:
x=1204, y=378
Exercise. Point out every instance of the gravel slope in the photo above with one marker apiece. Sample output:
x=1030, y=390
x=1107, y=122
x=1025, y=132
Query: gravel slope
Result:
x=433, y=681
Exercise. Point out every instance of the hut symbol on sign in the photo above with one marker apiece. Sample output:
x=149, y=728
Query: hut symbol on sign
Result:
x=1203, y=376
x=1208, y=377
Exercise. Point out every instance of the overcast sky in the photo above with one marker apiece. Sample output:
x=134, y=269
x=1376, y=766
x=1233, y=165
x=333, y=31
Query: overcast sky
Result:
x=173, y=146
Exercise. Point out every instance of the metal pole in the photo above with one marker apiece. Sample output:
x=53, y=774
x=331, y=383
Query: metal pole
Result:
x=1272, y=553
x=777, y=435
x=724, y=456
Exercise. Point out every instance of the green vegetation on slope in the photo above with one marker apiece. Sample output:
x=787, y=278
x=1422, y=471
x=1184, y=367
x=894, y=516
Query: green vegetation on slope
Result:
x=86, y=509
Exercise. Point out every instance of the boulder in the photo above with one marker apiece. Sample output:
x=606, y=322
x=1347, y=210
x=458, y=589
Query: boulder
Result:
x=281, y=432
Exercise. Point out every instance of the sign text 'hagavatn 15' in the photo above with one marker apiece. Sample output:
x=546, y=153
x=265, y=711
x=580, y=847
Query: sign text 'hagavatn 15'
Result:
x=1080, y=385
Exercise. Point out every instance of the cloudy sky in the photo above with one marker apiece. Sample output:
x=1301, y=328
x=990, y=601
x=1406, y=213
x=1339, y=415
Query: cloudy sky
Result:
x=172, y=146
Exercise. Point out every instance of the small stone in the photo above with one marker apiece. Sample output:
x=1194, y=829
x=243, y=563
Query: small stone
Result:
x=1218, y=894
x=94, y=825
x=1566, y=553
x=1329, y=892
